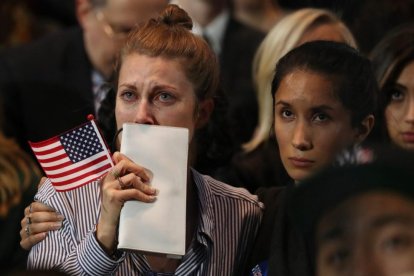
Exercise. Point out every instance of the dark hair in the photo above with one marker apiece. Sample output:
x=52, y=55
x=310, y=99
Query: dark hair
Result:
x=352, y=75
x=391, y=55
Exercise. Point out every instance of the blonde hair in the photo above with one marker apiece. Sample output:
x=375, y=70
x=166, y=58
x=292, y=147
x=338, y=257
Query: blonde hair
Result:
x=282, y=38
x=17, y=172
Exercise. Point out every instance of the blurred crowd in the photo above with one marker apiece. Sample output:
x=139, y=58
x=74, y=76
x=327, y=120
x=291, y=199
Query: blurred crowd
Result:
x=61, y=60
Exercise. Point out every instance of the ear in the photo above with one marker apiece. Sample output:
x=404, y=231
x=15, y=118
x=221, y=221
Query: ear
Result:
x=205, y=108
x=365, y=128
x=83, y=9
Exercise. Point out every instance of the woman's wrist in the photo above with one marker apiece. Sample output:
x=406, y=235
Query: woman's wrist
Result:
x=106, y=237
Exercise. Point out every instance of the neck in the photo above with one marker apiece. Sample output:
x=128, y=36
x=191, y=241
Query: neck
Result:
x=204, y=12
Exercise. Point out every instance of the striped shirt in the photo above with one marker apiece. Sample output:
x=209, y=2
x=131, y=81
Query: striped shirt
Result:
x=228, y=222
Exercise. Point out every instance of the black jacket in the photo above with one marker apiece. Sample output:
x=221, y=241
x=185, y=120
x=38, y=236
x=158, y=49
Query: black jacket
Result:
x=46, y=87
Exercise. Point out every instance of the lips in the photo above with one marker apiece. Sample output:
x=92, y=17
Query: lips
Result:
x=408, y=137
x=301, y=162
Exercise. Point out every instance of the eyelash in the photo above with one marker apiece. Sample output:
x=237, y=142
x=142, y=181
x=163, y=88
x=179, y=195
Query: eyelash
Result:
x=283, y=114
x=326, y=117
x=127, y=95
x=393, y=92
x=338, y=257
x=161, y=94
x=131, y=96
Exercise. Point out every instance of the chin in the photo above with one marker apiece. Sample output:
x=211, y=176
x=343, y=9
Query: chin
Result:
x=299, y=176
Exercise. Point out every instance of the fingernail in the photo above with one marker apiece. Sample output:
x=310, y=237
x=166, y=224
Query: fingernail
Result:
x=60, y=217
x=156, y=192
x=57, y=225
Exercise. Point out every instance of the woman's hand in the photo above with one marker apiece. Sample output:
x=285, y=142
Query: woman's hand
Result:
x=37, y=221
x=126, y=181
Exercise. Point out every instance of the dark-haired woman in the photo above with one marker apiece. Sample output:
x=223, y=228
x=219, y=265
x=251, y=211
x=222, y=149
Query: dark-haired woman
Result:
x=393, y=61
x=323, y=100
x=166, y=76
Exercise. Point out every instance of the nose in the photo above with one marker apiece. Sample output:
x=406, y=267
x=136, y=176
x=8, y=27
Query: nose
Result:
x=301, y=139
x=144, y=113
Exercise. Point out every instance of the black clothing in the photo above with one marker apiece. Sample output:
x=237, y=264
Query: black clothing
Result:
x=279, y=240
x=46, y=87
x=239, y=46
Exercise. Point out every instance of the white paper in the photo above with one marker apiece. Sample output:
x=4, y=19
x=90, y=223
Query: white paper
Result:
x=159, y=226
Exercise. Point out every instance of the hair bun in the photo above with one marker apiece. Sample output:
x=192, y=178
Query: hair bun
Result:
x=174, y=15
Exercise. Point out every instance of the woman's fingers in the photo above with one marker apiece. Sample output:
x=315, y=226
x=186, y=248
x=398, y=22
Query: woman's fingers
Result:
x=28, y=243
x=36, y=207
x=132, y=181
x=38, y=220
x=129, y=187
x=124, y=165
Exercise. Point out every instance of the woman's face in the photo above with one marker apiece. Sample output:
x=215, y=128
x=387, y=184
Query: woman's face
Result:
x=399, y=113
x=155, y=91
x=311, y=124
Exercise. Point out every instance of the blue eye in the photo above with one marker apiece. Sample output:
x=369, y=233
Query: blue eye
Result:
x=165, y=97
x=128, y=96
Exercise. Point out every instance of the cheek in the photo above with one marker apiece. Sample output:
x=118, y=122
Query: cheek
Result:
x=333, y=141
x=392, y=115
x=283, y=138
x=281, y=134
x=122, y=116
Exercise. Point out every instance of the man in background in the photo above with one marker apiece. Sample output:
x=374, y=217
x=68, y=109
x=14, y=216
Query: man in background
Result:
x=52, y=84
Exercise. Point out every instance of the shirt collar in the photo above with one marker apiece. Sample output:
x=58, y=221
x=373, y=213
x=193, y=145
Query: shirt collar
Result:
x=215, y=30
x=206, y=222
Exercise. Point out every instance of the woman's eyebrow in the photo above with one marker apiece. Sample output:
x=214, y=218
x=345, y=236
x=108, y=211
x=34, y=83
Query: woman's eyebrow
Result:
x=283, y=103
x=333, y=233
x=402, y=219
x=322, y=107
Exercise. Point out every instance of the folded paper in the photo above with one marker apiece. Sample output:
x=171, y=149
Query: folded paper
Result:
x=157, y=227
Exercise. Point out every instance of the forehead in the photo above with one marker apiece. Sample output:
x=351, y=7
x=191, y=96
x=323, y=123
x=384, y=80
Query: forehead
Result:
x=138, y=68
x=367, y=212
x=406, y=75
x=303, y=86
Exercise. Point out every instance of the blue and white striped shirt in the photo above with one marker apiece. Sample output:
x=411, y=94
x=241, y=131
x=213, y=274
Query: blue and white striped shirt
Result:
x=229, y=219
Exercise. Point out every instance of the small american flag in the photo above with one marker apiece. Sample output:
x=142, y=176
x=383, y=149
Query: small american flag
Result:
x=74, y=158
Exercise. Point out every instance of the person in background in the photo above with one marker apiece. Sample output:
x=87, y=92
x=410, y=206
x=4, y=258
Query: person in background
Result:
x=362, y=222
x=52, y=84
x=261, y=15
x=393, y=61
x=259, y=164
x=165, y=76
x=235, y=44
x=324, y=97
x=19, y=176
